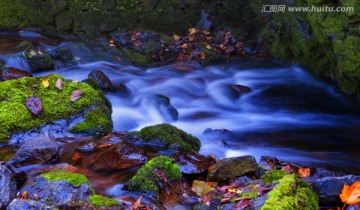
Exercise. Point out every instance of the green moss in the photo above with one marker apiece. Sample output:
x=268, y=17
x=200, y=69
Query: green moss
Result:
x=348, y=55
x=56, y=105
x=99, y=200
x=171, y=137
x=291, y=193
x=146, y=181
x=273, y=176
x=137, y=58
x=74, y=179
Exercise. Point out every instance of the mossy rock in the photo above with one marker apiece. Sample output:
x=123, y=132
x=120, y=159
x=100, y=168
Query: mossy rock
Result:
x=56, y=105
x=73, y=178
x=273, y=176
x=171, y=137
x=146, y=180
x=291, y=193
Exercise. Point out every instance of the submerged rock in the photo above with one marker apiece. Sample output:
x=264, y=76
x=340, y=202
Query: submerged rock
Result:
x=8, y=187
x=35, y=151
x=230, y=168
x=119, y=156
x=13, y=73
x=92, y=111
x=40, y=62
x=192, y=163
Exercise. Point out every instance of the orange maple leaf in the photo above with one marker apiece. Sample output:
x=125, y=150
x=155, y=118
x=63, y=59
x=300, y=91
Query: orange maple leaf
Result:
x=304, y=172
x=351, y=195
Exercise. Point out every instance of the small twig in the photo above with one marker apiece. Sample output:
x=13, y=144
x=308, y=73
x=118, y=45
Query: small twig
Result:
x=343, y=208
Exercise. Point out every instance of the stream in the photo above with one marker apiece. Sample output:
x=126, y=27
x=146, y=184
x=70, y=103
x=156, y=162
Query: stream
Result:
x=289, y=113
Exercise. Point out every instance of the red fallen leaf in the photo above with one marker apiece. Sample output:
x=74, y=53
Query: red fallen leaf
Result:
x=59, y=84
x=134, y=35
x=34, y=105
x=136, y=204
x=202, y=55
x=288, y=169
x=76, y=157
x=137, y=43
x=76, y=94
x=263, y=189
x=242, y=204
x=226, y=200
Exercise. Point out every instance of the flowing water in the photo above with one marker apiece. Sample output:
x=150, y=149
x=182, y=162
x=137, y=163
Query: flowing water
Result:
x=289, y=113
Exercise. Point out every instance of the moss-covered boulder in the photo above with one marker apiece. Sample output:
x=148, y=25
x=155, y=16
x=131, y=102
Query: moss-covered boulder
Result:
x=64, y=188
x=291, y=193
x=92, y=110
x=170, y=137
x=149, y=177
x=273, y=176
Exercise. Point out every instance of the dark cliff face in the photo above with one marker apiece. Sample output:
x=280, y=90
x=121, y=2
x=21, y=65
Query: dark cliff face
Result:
x=326, y=42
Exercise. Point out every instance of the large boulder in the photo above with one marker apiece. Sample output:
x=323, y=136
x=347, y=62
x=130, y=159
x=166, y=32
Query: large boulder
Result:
x=8, y=187
x=35, y=151
x=89, y=114
x=329, y=188
x=230, y=168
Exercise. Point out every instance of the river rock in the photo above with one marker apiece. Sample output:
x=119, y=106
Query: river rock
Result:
x=13, y=73
x=90, y=115
x=230, y=168
x=40, y=62
x=65, y=55
x=241, y=89
x=58, y=191
x=8, y=187
x=26, y=204
x=35, y=151
x=192, y=163
x=162, y=103
x=329, y=188
x=119, y=156
x=102, y=80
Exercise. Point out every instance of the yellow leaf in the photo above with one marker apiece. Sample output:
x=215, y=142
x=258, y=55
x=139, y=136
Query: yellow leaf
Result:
x=45, y=83
x=351, y=195
x=232, y=190
x=206, y=32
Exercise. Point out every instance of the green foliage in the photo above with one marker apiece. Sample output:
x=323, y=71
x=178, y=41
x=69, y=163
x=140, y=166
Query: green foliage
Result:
x=56, y=105
x=292, y=194
x=146, y=181
x=249, y=194
x=74, y=179
x=171, y=137
x=99, y=200
x=273, y=176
